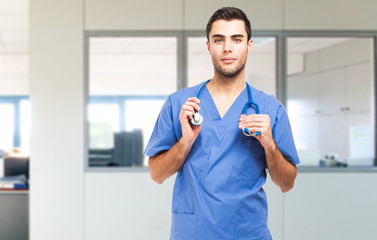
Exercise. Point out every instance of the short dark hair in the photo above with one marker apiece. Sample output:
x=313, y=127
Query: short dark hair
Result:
x=228, y=14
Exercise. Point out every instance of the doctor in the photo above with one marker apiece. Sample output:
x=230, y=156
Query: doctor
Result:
x=218, y=190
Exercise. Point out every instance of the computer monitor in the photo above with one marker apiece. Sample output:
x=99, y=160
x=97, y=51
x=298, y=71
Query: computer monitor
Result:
x=16, y=166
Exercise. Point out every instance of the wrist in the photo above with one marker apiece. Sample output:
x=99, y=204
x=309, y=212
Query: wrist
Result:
x=186, y=143
x=270, y=147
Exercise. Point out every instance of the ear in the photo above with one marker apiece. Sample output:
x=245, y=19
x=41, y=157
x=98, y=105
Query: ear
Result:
x=249, y=44
x=208, y=47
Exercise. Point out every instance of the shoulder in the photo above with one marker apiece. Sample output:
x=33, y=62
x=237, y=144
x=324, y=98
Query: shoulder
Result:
x=269, y=105
x=265, y=99
x=276, y=110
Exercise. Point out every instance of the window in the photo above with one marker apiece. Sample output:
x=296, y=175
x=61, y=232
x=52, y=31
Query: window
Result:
x=130, y=78
x=6, y=126
x=331, y=100
x=14, y=78
x=25, y=122
x=140, y=116
x=326, y=84
x=103, y=122
x=15, y=124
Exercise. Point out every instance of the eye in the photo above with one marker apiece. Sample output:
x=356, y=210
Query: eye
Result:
x=217, y=40
x=237, y=39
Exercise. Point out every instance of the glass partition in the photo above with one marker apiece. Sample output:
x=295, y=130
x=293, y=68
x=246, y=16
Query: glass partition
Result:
x=329, y=90
x=129, y=79
x=330, y=100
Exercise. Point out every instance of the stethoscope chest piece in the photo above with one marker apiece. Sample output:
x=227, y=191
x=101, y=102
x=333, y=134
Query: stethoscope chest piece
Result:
x=197, y=119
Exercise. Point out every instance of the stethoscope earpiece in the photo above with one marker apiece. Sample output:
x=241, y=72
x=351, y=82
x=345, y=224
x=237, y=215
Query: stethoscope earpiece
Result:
x=247, y=132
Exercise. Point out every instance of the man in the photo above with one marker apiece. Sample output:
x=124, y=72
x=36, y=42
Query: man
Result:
x=218, y=189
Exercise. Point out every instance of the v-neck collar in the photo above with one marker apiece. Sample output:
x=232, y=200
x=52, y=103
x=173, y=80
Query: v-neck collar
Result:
x=233, y=110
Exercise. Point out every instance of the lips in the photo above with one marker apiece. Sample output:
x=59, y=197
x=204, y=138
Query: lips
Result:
x=228, y=60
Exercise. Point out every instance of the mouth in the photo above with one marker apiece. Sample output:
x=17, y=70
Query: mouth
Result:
x=228, y=60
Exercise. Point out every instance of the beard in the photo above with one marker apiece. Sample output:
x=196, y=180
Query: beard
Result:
x=228, y=73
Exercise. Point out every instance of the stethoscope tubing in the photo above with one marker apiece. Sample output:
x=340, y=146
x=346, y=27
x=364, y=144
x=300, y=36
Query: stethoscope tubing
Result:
x=198, y=119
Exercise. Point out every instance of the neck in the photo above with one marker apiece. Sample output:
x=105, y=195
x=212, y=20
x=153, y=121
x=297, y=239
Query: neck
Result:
x=228, y=86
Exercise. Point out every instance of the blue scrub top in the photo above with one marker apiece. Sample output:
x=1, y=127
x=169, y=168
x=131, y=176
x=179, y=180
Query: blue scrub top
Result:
x=218, y=191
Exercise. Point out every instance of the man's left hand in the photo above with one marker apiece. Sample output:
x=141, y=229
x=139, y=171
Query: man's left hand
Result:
x=258, y=123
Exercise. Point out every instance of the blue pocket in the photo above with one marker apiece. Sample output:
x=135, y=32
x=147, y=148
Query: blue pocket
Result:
x=183, y=226
x=250, y=162
x=251, y=226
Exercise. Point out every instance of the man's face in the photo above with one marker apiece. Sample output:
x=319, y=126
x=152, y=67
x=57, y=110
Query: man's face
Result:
x=228, y=46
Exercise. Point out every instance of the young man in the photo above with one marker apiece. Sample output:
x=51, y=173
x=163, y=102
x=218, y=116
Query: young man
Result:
x=218, y=190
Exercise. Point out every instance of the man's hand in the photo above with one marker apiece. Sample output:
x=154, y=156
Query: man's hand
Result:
x=189, y=131
x=281, y=171
x=258, y=123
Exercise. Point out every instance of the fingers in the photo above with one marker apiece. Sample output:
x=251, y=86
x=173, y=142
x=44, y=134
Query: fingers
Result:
x=255, y=122
x=255, y=119
x=188, y=109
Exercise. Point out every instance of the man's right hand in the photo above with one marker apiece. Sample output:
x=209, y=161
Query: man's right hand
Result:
x=189, y=131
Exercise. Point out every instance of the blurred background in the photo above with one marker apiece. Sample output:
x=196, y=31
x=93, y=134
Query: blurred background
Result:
x=82, y=84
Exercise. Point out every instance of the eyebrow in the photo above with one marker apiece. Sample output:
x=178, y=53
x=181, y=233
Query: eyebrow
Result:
x=222, y=36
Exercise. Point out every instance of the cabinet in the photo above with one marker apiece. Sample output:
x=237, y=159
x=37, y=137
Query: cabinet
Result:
x=345, y=101
x=346, y=89
x=14, y=215
x=359, y=88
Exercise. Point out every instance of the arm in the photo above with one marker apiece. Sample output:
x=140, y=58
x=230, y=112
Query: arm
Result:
x=165, y=164
x=282, y=172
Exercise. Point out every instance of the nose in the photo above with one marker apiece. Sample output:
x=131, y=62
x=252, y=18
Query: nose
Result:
x=228, y=46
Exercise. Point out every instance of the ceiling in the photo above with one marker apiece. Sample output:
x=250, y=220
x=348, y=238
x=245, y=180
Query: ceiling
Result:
x=14, y=24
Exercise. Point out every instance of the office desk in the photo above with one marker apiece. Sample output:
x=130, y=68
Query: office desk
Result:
x=14, y=214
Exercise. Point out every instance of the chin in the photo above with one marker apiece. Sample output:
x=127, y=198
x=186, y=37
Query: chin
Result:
x=231, y=73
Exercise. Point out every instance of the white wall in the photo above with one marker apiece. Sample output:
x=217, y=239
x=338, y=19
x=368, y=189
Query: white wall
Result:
x=57, y=103
x=264, y=15
x=133, y=15
x=331, y=206
x=321, y=206
x=330, y=15
x=68, y=203
x=126, y=206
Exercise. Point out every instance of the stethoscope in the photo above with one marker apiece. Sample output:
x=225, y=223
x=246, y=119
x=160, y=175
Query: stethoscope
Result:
x=198, y=118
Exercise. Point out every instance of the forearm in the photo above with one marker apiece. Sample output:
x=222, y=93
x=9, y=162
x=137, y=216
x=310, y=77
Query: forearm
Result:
x=281, y=171
x=166, y=164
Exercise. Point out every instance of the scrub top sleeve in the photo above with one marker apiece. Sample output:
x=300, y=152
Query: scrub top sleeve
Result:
x=283, y=137
x=163, y=136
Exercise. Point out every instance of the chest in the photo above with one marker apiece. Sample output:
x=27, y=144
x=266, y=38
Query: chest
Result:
x=223, y=103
